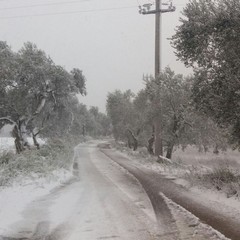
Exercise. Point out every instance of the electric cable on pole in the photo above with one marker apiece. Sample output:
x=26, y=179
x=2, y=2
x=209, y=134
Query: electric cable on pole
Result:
x=146, y=9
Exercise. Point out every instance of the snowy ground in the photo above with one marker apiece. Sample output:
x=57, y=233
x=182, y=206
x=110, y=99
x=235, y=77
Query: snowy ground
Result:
x=192, y=156
x=176, y=172
x=14, y=199
x=229, y=207
x=105, y=202
x=7, y=143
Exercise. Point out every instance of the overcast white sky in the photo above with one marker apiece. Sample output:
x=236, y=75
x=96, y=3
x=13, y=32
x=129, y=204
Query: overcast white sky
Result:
x=112, y=47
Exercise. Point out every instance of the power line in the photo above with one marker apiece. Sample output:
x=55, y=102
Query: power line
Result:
x=70, y=12
x=40, y=5
x=19, y=0
x=51, y=4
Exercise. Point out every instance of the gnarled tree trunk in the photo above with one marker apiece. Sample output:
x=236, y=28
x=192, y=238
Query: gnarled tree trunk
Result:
x=132, y=140
x=175, y=134
x=170, y=150
x=150, y=145
x=20, y=130
x=18, y=142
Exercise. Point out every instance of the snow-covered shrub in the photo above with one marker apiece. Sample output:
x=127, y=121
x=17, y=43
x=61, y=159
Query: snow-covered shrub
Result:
x=55, y=154
x=222, y=178
x=5, y=157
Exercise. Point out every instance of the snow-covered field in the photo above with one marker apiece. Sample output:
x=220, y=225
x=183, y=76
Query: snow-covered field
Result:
x=7, y=143
x=26, y=192
x=192, y=156
x=14, y=199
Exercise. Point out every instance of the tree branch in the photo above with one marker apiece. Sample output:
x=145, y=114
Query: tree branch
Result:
x=8, y=119
x=41, y=104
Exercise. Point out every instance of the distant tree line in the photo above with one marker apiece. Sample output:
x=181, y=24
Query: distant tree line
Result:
x=39, y=97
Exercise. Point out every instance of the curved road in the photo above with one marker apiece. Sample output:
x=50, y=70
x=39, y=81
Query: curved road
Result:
x=111, y=198
x=155, y=184
x=98, y=204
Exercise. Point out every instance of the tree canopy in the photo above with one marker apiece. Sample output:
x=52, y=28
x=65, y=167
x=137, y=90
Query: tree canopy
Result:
x=121, y=112
x=38, y=96
x=133, y=115
x=208, y=41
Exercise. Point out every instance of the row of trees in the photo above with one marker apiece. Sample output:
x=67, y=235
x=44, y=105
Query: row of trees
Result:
x=133, y=115
x=202, y=109
x=39, y=97
x=208, y=41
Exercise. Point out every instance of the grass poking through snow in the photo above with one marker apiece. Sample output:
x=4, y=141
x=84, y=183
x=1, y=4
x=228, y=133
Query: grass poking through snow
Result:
x=222, y=179
x=55, y=154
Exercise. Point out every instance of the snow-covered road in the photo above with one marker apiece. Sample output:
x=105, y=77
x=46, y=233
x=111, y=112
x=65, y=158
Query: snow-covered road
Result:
x=105, y=201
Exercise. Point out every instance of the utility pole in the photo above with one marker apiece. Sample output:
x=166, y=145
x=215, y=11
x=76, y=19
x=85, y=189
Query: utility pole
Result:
x=146, y=9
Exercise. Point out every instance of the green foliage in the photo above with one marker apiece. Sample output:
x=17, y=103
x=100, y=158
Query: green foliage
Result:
x=208, y=40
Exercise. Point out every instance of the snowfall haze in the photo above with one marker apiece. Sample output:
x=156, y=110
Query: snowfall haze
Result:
x=114, y=47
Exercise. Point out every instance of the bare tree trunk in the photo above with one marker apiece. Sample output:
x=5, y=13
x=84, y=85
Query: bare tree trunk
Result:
x=205, y=147
x=158, y=137
x=18, y=141
x=170, y=150
x=216, y=151
x=16, y=134
x=132, y=140
x=22, y=126
x=175, y=133
x=71, y=123
x=150, y=145
x=83, y=130
x=20, y=129
x=129, y=143
x=35, y=142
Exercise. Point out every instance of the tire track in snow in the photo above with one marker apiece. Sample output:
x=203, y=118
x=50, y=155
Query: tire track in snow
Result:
x=153, y=183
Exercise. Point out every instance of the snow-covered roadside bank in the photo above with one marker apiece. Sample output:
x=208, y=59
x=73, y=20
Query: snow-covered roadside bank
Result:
x=215, y=200
x=14, y=199
x=190, y=225
x=31, y=175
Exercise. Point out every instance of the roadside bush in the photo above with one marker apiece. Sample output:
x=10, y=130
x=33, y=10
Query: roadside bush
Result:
x=222, y=179
x=5, y=157
x=220, y=176
x=55, y=154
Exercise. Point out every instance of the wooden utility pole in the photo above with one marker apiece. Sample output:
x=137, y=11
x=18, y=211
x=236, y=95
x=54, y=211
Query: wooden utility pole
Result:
x=146, y=9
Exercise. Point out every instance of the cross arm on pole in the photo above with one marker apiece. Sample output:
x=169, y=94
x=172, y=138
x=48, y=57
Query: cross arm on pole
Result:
x=173, y=9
